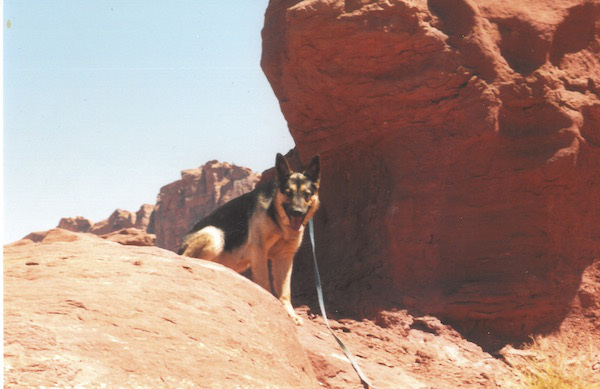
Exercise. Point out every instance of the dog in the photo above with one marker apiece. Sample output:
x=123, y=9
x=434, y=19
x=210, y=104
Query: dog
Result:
x=266, y=223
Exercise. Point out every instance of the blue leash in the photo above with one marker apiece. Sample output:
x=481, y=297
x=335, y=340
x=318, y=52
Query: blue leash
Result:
x=366, y=384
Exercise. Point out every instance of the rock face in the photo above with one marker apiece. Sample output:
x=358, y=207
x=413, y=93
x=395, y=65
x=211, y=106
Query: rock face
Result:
x=82, y=311
x=183, y=203
x=460, y=152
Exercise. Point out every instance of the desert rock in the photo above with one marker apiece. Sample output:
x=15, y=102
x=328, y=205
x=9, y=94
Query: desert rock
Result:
x=131, y=237
x=83, y=311
x=459, y=144
x=75, y=224
x=124, y=219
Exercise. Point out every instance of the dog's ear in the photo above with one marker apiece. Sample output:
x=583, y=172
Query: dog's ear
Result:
x=313, y=170
x=282, y=167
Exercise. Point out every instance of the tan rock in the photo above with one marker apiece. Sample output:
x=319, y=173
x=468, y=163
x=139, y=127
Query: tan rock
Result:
x=54, y=235
x=143, y=216
x=121, y=219
x=131, y=237
x=75, y=224
x=118, y=220
x=82, y=311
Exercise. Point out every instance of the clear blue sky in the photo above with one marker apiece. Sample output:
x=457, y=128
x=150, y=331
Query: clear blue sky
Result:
x=107, y=101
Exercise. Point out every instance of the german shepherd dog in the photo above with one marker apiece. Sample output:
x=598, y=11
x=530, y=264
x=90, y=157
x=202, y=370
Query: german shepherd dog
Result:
x=267, y=223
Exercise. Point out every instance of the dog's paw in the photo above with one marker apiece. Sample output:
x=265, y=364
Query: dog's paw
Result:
x=297, y=319
x=290, y=311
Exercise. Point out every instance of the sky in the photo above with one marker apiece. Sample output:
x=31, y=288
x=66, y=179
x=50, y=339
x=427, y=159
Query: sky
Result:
x=105, y=102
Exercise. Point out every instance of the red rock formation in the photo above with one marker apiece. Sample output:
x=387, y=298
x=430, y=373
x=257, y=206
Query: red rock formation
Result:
x=75, y=224
x=183, y=203
x=50, y=236
x=143, y=215
x=179, y=206
x=81, y=311
x=460, y=151
x=124, y=219
x=131, y=237
x=118, y=220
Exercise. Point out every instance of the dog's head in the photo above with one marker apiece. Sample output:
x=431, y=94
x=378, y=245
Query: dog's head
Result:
x=297, y=195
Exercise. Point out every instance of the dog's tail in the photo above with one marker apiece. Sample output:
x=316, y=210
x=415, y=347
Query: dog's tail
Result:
x=183, y=245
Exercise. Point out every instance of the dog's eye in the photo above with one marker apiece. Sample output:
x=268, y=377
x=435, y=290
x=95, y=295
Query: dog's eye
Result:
x=288, y=192
x=307, y=195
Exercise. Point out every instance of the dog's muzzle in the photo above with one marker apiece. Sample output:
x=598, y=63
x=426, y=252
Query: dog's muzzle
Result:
x=296, y=218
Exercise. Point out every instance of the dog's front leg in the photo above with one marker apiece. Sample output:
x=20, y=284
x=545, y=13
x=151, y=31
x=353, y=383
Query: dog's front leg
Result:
x=282, y=279
x=260, y=269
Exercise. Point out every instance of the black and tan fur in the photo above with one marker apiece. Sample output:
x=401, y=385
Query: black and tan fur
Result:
x=267, y=223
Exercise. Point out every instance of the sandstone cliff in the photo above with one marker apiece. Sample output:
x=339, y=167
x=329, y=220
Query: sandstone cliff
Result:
x=460, y=153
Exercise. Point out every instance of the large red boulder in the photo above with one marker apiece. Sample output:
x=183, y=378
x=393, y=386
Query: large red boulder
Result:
x=80, y=311
x=460, y=146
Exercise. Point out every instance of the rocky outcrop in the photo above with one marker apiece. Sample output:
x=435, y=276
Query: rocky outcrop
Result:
x=131, y=237
x=121, y=219
x=82, y=311
x=117, y=221
x=143, y=216
x=460, y=153
x=180, y=205
x=75, y=224
x=183, y=203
